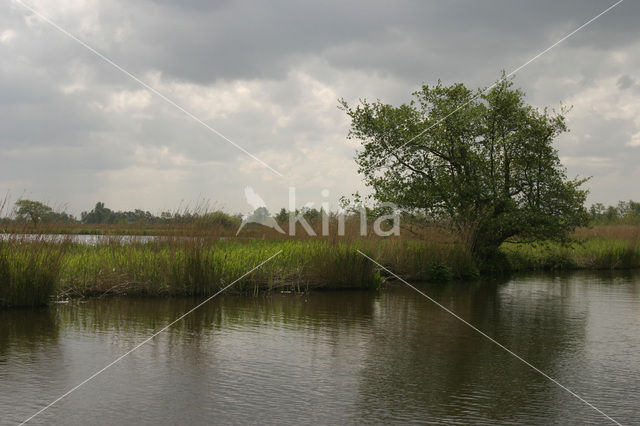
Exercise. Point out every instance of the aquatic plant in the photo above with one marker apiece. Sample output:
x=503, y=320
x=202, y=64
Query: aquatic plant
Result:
x=34, y=270
x=28, y=273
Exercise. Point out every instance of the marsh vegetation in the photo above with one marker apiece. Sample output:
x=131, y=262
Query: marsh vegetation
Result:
x=37, y=271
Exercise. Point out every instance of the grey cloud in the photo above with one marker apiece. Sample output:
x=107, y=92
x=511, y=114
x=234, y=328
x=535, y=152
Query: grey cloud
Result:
x=625, y=82
x=417, y=40
x=296, y=58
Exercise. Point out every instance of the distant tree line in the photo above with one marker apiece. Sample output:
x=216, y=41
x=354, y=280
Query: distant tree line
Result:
x=626, y=212
x=104, y=215
x=36, y=212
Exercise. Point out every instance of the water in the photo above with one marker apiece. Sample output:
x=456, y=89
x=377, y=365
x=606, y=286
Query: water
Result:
x=339, y=357
x=81, y=238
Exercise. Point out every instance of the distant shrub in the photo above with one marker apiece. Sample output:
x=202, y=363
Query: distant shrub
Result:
x=440, y=273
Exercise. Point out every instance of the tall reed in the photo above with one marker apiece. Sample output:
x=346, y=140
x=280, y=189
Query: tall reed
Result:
x=196, y=267
x=32, y=271
x=28, y=272
x=596, y=253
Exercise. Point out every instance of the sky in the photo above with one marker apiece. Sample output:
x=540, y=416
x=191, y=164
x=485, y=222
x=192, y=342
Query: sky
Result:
x=76, y=129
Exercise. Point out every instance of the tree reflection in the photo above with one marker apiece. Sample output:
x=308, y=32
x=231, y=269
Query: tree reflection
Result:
x=27, y=330
x=424, y=363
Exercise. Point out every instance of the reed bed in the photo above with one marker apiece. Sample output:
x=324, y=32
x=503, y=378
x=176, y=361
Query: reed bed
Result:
x=28, y=272
x=609, y=232
x=201, y=268
x=36, y=271
x=596, y=253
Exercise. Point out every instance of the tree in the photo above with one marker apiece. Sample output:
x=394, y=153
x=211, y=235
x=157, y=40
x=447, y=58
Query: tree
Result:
x=625, y=212
x=282, y=216
x=482, y=162
x=99, y=214
x=34, y=211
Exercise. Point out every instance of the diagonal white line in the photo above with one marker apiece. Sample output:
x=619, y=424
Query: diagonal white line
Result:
x=142, y=83
x=510, y=74
x=482, y=333
x=145, y=341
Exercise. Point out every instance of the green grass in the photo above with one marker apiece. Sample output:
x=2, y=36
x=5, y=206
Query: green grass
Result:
x=424, y=260
x=596, y=253
x=37, y=272
x=192, y=268
x=33, y=273
x=196, y=267
x=28, y=273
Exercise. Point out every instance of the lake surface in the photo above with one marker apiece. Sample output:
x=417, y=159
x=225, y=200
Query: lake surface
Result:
x=81, y=238
x=335, y=357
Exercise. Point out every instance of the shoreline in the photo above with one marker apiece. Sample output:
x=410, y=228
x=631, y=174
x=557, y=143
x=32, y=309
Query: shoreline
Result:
x=38, y=272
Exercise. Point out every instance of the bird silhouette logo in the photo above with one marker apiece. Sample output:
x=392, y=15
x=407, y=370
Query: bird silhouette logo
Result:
x=260, y=213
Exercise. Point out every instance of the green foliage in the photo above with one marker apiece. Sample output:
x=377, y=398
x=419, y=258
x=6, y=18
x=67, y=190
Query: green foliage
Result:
x=34, y=211
x=33, y=271
x=218, y=218
x=625, y=213
x=193, y=267
x=282, y=216
x=37, y=212
x=426, y=260
x=483, y=162
x=495, y=262
x=462, y=264
x=595, y=253
x=102, y=214
x=440, y=273
x=28, y=274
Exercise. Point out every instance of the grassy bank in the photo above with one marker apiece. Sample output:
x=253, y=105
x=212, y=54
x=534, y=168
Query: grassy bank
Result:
x=34, y=272
x=200, y=268
x=596, y=253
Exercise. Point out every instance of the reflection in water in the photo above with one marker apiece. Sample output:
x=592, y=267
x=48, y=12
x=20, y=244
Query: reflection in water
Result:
x=80, y=238
x=26, y=331
x=334, y=357
x=443, y=370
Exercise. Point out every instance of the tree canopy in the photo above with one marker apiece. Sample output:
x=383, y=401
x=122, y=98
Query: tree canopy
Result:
x=33, y=211
x=37, y=212
x=104, y=215
x=626, y=212
x=483, y=162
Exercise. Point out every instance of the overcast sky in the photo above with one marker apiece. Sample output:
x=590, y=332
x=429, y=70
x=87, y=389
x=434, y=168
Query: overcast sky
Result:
x=267, y=74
